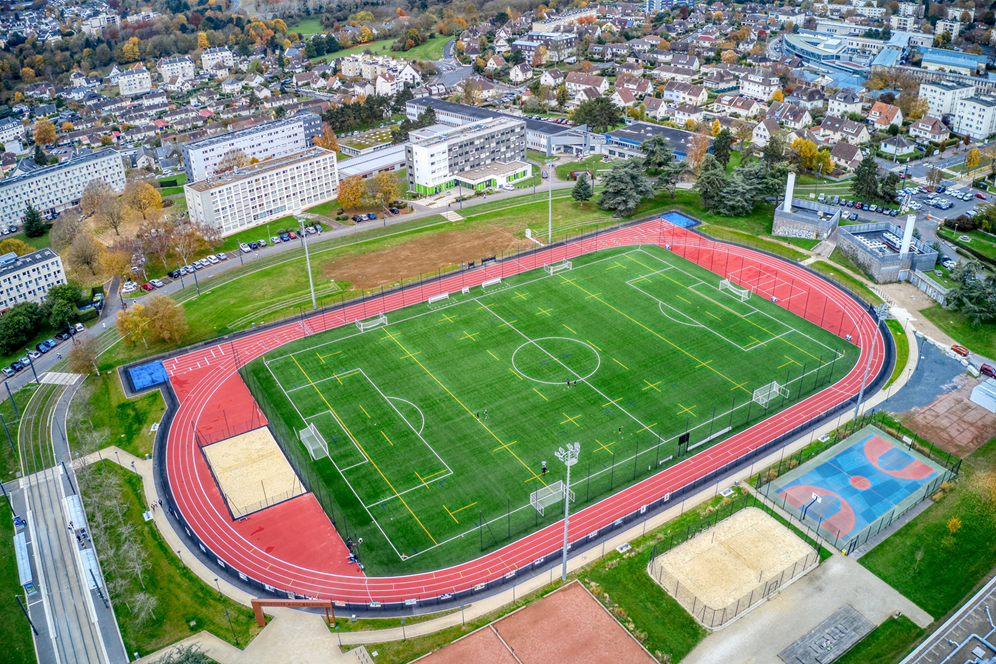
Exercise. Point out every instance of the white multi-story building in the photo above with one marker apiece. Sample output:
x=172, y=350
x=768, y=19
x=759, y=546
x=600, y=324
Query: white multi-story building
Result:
x=943, y=96
x=256, y=194
x=134, y=82
x=182, y=68
x=976, y=116
x=52, y=189
x=94, y=26
x=759, y=84
x=28, y=278
x=437, y=157
x=950, y=27
x=11, y=129
x=914, y=9
x=279, y=138
x=903, y=23
x=213, y=56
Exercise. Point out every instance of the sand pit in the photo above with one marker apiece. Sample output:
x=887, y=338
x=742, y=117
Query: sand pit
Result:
x=422, y=256
x=723, y=571
x=252, y=472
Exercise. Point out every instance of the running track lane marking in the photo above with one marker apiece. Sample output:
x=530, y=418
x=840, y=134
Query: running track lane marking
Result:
x=469, y=412
x=703, y=295
x=664, y=339
x=357, y=443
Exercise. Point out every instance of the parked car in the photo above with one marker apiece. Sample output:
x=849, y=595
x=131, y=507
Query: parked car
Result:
x=893, y=213
x=292, y=235
x=941, y=189
x=24, y=361
x=16, y=366
x=394, y=210
x=148, y=287
x=173, y=274
x=285, y=237
x=980, y=195
x=961, y=350
x=371, y=216
x=62, y=336
x=35, y=354
x=79, y=327
x=262, y=243
x=987, y=370
x=129, y=287
x=357, y=218
x=853, y=216
x=157, y=283
x=213, y=260
x=245, y=248
x=254, y=246
x=275, y=240
x=221, y=255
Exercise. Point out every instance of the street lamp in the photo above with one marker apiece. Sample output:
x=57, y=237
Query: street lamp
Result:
x=307, y=259
x=569, y=457
x=549, y=235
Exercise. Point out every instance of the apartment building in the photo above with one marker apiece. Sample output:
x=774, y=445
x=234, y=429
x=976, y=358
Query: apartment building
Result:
x=950, y=27
x=11, y=129
x=182, y=68
x=28, y=278
x=135, y=81
x=52, y=189
x=903, y=23
x=94, y=26
x=914, y=9
x=759, y=84
x=213, y=56
x=843, y=102
x=256, y=194
x=976, y=116
x=437, y=157
x=943, y=96
x=279, y=138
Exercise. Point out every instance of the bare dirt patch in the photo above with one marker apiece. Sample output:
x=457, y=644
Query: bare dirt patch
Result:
x=952, y=422
x=422, y=256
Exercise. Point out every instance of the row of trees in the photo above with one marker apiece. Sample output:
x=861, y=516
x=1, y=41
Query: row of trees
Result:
x=868, y=185
x=21, y=323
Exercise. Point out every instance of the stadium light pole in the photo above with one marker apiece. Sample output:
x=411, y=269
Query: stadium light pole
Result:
x=549, y=233
x=878, y=313
x=569, y=457
x=307, y=259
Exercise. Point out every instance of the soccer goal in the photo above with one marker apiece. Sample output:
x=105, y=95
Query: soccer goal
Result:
x=558, y=267
x=314, y=441
x=736, y=291
x=763, y=395
x=365, y=325
x=548, y=496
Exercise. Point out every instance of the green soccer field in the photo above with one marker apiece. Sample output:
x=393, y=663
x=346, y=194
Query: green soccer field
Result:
x=437, y=424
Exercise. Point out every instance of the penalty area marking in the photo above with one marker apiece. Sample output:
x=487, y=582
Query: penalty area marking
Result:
x=413, y=406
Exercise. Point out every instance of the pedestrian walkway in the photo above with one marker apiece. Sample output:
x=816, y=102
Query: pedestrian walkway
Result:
x=452, y=216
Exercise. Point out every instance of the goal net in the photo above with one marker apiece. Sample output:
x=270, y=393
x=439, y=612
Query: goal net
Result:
x=763, y=395
x=743, y=294
x=549, y=496
x=314, y=441
x=559, y=267
x=365, y=325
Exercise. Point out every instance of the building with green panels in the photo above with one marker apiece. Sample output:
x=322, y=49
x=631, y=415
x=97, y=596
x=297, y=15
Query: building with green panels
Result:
x=437, y=156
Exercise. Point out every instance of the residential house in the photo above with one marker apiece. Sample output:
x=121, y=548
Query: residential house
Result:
x=671, y=73
x=520, y=73
x=182, y=67
x=844, y=102
x=884, y=115
x=719, y=80
x=808, y=98
x=685, y=113
x=231, y=85
x=687, y=61
x=552, y=78
x=655, y=108
x=576, y=81
x=929, y=129
x=790, y=115
x=685, y=93
x=897, y=146
x=734, y=105
x=624, y=98
x=763, y=131
x=759, y=84
x=640, y=87
x=845, y=156
x=835, y=129
x=410, y=74
x=387, y=84
x=494, y=62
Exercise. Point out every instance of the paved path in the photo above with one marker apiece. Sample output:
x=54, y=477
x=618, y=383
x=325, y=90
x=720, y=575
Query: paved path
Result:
x=761, y=634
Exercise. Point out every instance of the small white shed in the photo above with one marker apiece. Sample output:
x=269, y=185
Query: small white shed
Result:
x=984, y=394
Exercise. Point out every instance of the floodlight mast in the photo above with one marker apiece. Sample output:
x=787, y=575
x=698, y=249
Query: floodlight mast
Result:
x=569, y=457
x=307, y=259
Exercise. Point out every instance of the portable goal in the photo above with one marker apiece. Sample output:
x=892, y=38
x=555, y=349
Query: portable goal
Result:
x=742, y=293
x=763, y=395
x=549, y=495
x=365, y=325
x=557, y=267
x=314, y=442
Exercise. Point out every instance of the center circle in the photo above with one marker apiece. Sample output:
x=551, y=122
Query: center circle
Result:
x=556, y=360
x=860, y=483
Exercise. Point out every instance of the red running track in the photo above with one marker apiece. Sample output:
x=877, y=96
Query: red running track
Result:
x=312, y=573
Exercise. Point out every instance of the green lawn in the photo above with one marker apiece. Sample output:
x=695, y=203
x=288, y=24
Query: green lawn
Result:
x=902, y=349
x=185, y=604
x=170, y=191
x=40, y=242
x=847, y=280
x=128, y=422
x=431, y=50
x=488, y=378
x=327, y=209
x=307, y=27
x=593, y=163
x=980, y=338
x=887, y=644
x=952, y=565
x=981, y=242
x=382, y=47
x=9, y=464
x=15, y=633
x=721, y=233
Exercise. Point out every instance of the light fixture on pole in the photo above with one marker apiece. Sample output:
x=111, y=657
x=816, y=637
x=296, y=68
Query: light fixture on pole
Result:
x=569, y=457
x=307, y=259
x=549, y=234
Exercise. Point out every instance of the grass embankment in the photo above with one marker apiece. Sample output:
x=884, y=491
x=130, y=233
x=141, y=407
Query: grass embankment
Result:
x=902, y=349
x=182, y=604
x=979, y=338
x=846, y=280
x=978, y=241
x=431, y=50
x=886, y=644
x=953, y=538
x=382, y=47
x=100, y=405
x=307, y=27
x=9, y=464
x=15, y=633
x=721, y=233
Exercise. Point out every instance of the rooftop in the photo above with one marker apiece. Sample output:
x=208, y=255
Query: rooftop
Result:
x=367, y=139
x=226, y=137
x=482, y=173
x=10, y=263
x=257, y=169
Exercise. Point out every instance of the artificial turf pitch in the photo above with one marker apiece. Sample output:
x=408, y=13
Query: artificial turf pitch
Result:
x=438, y=424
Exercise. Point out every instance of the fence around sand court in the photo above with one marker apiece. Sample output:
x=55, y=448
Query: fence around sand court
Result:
x=750, y=551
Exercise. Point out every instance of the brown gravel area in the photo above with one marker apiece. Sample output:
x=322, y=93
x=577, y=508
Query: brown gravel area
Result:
x=481, y=647
x=569, y=627
x=422, y=256
x=952, y=422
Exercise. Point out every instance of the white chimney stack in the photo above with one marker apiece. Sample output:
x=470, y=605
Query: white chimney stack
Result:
x=789, y=190
x=908, y=234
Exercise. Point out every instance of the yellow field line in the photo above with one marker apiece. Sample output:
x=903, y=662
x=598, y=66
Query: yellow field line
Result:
x=516, y=375
x=357, y=443
x=572, y=331
x=469, y=411
x=714, y=315
x=682, y=299
x=493, y=355
x=392, y=444
x=613, y=401
x=459, y=510
x=596, y=347
x=538, y=392
x=427, y=477
x=364, y=411
x=508, y=323
x=620, y=364
x=649, y=427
